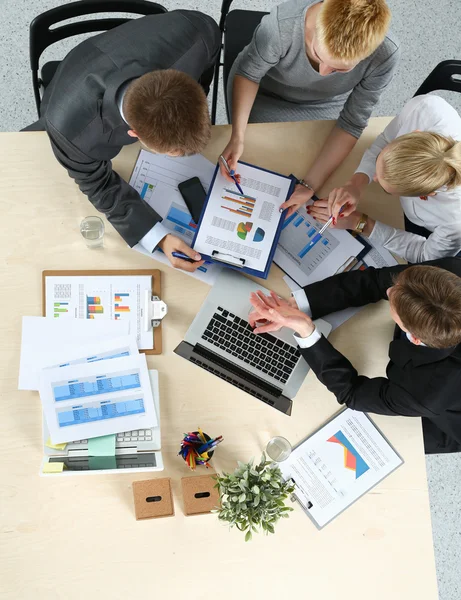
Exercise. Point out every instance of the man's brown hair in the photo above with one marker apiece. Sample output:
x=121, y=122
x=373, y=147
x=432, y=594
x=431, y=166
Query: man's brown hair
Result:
x=168, y=110
x=428, y=302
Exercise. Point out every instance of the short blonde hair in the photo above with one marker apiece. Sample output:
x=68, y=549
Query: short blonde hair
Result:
x=351, y=30
x=421, y=162
x=168, y=110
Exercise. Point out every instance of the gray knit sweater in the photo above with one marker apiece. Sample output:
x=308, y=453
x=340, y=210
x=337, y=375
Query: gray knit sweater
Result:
x=276, y=59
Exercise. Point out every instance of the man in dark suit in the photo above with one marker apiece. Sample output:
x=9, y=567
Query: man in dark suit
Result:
x=424, y=372
x=138, y=80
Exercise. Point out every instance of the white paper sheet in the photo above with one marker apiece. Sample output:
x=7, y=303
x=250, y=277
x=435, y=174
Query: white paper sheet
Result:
x=378, y=256
x=156, y=178
x=100, y=298
x=329, y=254
x=45, y=341
x=339, y=463
x=243, y=226
x=98, y=398
x=94, y=351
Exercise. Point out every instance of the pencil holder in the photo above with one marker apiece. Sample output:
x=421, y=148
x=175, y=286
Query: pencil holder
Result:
x=197, y=448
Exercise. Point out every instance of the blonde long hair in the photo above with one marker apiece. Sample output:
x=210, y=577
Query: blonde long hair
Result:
x=419, y=163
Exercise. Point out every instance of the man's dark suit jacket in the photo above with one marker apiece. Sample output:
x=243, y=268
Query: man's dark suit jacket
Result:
x=79, y=109
x=421, y=381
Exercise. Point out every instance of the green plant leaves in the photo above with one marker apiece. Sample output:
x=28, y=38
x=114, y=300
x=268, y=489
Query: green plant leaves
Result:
x=253, y=497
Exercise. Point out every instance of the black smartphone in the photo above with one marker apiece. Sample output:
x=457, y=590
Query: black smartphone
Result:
x=194, y=196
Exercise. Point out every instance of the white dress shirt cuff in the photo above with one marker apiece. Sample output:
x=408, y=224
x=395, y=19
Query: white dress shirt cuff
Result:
x=309, y=341
x=302, y=302
x=153, y=237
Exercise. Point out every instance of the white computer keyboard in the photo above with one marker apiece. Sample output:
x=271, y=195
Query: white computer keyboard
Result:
x=138, y=435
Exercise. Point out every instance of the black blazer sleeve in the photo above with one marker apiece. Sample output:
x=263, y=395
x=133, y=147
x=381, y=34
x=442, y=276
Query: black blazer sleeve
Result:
x=378, y=394
x=358, y=288
x=107, y=191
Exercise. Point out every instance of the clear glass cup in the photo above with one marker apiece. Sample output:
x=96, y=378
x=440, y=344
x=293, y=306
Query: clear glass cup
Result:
x=92, y=229
x=278, y=449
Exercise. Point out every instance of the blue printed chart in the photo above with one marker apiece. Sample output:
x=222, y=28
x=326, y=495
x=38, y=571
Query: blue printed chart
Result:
x=100, y=411
x=94, y=386
x=296, y=238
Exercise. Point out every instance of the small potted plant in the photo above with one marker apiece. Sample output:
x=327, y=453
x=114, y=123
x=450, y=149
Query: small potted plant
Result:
x=253, y=497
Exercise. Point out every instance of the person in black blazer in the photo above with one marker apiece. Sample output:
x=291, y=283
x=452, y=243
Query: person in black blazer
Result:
x=138, y=80
x=424, y=371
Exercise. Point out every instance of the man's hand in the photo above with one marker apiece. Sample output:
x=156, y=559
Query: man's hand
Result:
x=277, y=313
x=232, y=152
x=298, y=198
x=170, y=244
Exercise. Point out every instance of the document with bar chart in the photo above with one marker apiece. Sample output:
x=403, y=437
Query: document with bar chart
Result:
x=307, y=263
x=156, y=178
x=91, y=399
x=242, y=229
x=121, y=298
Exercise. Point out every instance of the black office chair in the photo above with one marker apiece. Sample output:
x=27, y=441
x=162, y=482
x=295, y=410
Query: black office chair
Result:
x=237, y=28
x=445, y=76
x=42, y=35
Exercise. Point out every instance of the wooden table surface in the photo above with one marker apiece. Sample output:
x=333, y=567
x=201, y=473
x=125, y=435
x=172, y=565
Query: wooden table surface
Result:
x=76, y=538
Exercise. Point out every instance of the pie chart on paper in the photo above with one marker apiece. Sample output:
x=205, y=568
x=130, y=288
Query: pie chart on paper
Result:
x=259, y=235
x=243, y=229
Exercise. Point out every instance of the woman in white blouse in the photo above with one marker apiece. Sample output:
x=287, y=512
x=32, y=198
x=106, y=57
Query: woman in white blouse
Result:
x=418, y=158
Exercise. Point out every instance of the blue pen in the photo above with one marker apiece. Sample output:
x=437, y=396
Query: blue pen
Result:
x=318, y=235
x=231, y=173
x=185, y=257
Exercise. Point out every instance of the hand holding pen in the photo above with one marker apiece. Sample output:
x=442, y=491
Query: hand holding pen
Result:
x=231, y=173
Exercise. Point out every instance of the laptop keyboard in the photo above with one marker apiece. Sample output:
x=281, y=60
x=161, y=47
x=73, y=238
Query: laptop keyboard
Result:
x=264, y=352
x=138, y=435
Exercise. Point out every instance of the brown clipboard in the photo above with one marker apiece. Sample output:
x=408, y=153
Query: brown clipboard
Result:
x=156, y=291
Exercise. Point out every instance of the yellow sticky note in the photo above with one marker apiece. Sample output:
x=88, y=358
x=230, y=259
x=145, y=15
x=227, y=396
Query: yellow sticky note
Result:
x=53, y=467
x=49, y=444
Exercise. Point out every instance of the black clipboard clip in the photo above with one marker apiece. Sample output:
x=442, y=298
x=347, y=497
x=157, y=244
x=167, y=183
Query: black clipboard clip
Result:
x=299, y=497
x=235, y=261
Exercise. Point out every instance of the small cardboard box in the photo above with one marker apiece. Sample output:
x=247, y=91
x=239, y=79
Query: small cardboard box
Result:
x=153, y=498
x=199, y=494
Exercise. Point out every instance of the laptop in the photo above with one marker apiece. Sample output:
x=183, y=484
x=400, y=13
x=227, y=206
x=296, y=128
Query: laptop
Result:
x=221, y=341
x=135, y=451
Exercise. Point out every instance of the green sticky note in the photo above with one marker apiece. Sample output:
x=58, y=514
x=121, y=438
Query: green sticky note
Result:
x=96, y=463
x=102, y=446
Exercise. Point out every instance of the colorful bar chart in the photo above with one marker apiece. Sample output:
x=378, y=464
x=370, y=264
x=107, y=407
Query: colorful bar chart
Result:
x=93, y=306
x=240, y=204
x=120, y=298
x=60, y=307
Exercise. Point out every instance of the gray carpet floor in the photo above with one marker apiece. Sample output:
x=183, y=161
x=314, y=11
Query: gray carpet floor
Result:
x=429, y=33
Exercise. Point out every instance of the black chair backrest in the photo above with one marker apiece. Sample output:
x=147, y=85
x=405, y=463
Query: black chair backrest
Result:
x=239, y=28
x=41, y=35
x=445, y=76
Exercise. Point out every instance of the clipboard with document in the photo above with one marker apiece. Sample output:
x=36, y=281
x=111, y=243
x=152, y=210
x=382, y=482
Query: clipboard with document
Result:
x=241, y=230
x=339, y=463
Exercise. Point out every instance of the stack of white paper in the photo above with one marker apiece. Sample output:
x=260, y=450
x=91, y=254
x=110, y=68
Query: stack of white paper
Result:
x=89, y=387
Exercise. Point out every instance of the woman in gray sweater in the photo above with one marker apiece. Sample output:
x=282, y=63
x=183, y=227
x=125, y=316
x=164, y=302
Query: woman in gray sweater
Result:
x=313, y=60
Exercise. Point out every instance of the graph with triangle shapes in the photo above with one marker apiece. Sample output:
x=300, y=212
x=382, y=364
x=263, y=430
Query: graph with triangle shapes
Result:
x=352, y=459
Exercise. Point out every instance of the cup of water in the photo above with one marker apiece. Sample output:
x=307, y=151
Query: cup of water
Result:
x=92, y=229
x=278, y=449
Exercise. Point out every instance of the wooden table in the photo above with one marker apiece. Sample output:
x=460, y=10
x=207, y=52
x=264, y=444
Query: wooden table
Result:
x=77, y=538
